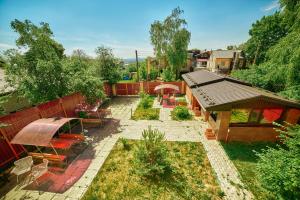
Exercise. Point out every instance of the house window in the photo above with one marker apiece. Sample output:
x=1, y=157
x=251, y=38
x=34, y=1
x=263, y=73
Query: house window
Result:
x=214, y=115
x=270, y=115
x=239, y=115
x=254, y=116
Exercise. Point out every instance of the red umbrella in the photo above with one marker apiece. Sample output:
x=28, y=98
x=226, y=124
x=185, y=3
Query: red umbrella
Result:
x=273, y=114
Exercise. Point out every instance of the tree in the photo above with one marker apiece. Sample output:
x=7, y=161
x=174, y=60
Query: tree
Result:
x=264, y=33
x=80, y=70
x=170, y=40
x=38, y=74
x=107, y=65
x=278, y=64
x=279, y=168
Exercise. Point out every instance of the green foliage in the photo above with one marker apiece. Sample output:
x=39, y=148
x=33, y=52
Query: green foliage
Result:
x=192, y=177
x=239, y=116
x=170, y=39
x=38, y=73
x=151, y=156
x=82, y=114
x=244, y=157
x=146, y=102
x=43, y=72
x=143, y=70
x=107, y=65
x=154, y=73
x=264, y=33
x=146, y=114
x=167, y=75
x=132, y=67
x=125, y=144
x=279, y=69
x=144, y=110
x=181, y=113
x=280, y=73
x=279, y=168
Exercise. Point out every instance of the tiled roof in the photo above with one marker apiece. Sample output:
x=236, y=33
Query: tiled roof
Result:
x=215, y=93
x=201, y=77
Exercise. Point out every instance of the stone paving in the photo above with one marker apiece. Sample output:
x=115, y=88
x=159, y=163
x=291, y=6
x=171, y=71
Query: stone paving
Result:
x=122, y=126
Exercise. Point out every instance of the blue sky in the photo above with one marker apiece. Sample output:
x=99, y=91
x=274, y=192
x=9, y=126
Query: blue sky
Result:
x=124, y=25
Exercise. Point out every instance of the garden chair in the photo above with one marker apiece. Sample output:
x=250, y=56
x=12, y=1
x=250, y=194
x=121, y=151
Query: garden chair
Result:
x=22, y=166
x=39, y=170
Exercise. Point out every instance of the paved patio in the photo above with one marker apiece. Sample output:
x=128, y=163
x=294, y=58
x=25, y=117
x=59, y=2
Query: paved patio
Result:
x=122, y=126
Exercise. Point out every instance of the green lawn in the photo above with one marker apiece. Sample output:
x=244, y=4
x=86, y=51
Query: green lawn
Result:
x=193, y=177
x=244, y=158
x=146, y=114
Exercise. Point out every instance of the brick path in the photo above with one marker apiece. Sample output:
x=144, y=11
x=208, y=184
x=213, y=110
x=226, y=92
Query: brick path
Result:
x=122, y=126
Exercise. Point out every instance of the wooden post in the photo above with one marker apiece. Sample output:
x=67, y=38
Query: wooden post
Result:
x=141, y=88
x=62, y=107
x=222, y=122
x=182, y=87
x=114, y=92
x=137, y=66
x=9, y=144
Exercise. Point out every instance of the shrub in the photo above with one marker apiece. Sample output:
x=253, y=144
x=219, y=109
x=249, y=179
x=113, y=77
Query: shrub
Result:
x=181, y=113
x=168, y=75
x=146, y=101
x=151, y=156
x=279, y=168
x=82, y=114
x=125, y=143
x=154, y=73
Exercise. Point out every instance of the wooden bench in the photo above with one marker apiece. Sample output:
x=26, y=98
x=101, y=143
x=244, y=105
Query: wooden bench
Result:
x=72, y=136
x=51, y=157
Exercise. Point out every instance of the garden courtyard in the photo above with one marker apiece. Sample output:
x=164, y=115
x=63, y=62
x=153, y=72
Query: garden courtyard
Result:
x=203, y=169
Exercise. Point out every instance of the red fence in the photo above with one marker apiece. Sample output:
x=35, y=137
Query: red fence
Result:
x=60, y=107
x=121, y=89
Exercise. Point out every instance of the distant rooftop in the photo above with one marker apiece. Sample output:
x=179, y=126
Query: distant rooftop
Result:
x=224, y=53
x=201, y=77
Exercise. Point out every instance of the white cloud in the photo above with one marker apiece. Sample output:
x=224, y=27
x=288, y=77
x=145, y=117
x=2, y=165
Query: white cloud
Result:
x=6, y=46
x=272, y=6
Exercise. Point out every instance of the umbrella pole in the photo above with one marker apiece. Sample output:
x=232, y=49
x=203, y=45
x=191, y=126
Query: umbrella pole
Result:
x=81, y=125
x=40, y=150
x=53, y=149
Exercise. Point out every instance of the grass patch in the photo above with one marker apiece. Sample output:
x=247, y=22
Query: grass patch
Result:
x=243, y=155
x=145, y=113
x=193, y=179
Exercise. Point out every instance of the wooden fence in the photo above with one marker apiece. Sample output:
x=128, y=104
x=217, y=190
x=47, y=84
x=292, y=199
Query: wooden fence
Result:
x=124, y=89
x=63, y=107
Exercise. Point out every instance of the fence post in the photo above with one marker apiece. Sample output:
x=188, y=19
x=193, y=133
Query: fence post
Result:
x=182, y=87
x=114, y=92
x=62, y=107
x=141, y=89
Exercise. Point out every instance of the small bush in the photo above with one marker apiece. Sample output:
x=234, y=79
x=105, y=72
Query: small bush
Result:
x=151, y=156
x=82, y=114
x=168, y=75
x=125, y=143
x=181, y=113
